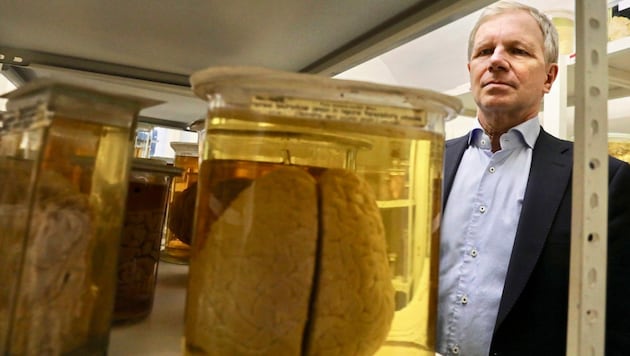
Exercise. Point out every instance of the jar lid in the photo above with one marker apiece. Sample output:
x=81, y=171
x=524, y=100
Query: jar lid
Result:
x=153, y=165
x=77, y=102
x=291, y=97
x=206, y=81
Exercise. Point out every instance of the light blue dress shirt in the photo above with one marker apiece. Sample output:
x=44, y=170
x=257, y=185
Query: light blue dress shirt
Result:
x=477, y=235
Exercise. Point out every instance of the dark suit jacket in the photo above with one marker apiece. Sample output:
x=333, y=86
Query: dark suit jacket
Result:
x=532, y=314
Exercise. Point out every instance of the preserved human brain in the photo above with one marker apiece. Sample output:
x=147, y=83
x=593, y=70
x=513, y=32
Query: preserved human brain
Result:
x=354, y=304
x=55, y=271
x=293, y=266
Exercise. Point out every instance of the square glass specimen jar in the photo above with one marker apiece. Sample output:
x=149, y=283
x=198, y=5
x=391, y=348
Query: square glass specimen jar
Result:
x=65, y=153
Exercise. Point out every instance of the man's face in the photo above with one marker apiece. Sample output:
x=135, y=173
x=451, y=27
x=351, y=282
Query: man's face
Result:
x=508, y=74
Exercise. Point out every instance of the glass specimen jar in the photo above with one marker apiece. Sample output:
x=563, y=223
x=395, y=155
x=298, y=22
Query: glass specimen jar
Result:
x=65, y=153
x=149, y=183
x=181, y=204
x=317, y=218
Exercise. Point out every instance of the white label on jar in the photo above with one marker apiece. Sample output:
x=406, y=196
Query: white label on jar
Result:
x=337, y=111
x=623, y=4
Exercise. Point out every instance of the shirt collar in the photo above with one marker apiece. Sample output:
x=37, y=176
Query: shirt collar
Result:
x=528, y=131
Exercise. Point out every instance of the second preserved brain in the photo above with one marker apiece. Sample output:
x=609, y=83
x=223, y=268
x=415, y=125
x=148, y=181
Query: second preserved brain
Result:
x=293, y=266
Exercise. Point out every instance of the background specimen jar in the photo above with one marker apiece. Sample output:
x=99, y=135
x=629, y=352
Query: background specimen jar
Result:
x=181, y=201
x=149, y=183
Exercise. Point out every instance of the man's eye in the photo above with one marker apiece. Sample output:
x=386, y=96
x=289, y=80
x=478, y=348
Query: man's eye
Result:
x=485, y=52
x=519, y=51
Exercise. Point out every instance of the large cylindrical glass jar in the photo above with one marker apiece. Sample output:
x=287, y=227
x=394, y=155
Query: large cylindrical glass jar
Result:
x=65, y=153
x=317, y=216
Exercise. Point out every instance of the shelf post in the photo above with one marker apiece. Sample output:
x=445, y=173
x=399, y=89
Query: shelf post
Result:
x=587, y=286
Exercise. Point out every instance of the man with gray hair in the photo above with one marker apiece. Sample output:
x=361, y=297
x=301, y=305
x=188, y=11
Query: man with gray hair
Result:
x=506, y=228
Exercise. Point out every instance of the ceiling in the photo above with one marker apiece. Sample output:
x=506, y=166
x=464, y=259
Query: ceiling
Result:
x=150, y=48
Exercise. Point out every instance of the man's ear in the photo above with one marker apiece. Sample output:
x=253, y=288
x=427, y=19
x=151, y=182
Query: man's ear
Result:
x=552, y=74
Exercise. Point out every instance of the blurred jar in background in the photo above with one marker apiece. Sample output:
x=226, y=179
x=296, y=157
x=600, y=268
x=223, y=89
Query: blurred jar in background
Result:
x=181, y=204
x=618, y=20
x=149, y=183
x=619, y=146
x=565, y=24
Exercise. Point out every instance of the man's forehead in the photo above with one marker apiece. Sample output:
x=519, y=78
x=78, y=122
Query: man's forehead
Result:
x=497, y=25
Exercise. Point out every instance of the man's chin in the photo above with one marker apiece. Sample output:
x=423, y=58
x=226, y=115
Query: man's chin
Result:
x=496, y=104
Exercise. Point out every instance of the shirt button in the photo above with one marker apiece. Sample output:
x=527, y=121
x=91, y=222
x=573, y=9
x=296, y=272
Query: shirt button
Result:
x=474, y=252
x=482, y=209
x=492, y=169
x=464, y=300
x=455, y=350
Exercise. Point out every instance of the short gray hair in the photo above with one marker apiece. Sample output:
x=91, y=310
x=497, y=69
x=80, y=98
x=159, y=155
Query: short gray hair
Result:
x=549, y=32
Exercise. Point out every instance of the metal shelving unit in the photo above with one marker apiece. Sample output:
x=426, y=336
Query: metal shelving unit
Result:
x=587, y=287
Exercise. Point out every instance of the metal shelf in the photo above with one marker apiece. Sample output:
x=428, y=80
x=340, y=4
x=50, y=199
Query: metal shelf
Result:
x=148, y=50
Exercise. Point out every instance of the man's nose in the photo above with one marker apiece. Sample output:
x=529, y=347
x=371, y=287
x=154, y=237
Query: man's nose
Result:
x=498, y=60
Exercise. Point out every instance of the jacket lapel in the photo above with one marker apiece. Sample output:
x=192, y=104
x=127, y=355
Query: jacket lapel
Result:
x=453, y=152
x=549, y=177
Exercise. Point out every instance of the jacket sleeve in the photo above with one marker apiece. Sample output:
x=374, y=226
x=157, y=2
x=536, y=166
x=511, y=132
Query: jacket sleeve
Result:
x=618, y=281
